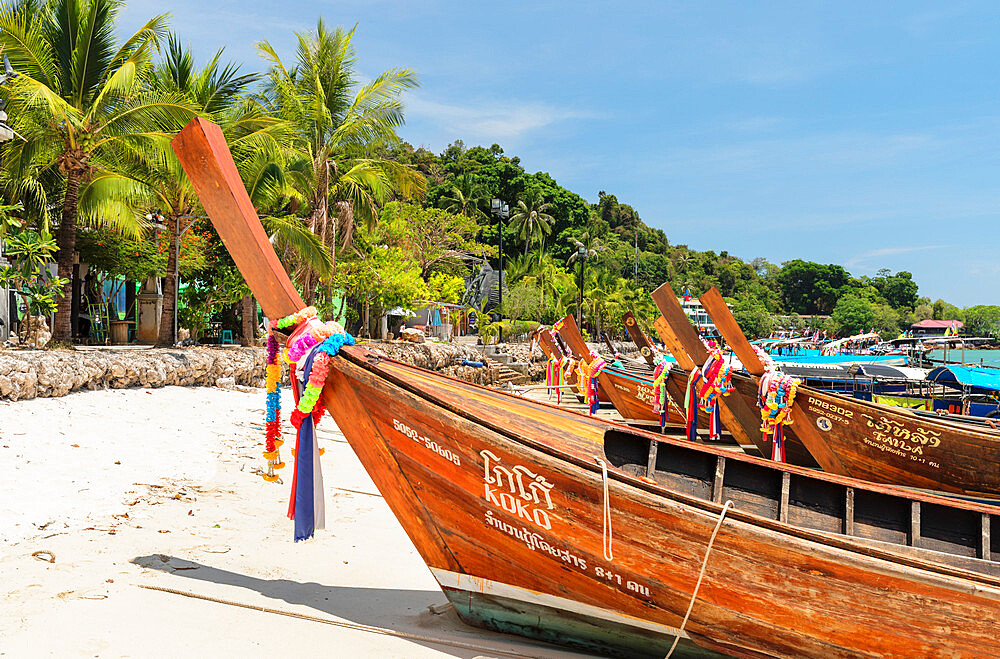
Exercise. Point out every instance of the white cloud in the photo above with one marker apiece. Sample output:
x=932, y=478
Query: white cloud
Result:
x=487, y=120
x=886, y=251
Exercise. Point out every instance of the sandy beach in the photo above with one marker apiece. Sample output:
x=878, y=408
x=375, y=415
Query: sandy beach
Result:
x=109, y=493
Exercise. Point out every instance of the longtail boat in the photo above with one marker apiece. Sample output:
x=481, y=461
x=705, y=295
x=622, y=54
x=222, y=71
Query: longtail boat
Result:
x=874, y=442
x=639, y=338
x=552, y=348
x=554, y=525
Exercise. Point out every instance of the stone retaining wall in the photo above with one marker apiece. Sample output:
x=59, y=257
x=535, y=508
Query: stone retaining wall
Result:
x=50, y=373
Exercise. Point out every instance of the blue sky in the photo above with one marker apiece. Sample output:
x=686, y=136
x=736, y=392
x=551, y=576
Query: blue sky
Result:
x=864, y=134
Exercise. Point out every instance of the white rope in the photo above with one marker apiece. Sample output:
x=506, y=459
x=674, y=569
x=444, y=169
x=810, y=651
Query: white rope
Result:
x=701, y=575
x=607, y=512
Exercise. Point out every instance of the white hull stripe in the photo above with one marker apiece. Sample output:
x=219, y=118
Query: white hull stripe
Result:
x=448, y=579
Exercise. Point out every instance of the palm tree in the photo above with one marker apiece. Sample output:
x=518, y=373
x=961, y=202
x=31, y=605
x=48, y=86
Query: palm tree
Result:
x=464, y=197
x=336, y=124
x=587, y=247
x=83, y=104
x=216, y=92
x=532, y=222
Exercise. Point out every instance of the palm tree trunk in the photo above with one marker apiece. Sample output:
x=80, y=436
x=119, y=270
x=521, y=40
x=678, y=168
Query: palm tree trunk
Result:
x=166, y=334
x=66, y=239
x=248, y=316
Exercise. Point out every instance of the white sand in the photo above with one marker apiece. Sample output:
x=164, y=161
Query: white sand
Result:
x=157, y=487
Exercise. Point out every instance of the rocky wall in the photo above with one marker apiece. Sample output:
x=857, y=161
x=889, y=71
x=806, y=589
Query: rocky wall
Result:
x=50, y=373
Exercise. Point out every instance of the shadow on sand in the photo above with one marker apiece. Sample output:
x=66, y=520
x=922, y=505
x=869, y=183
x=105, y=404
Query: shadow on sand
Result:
x=403, y=611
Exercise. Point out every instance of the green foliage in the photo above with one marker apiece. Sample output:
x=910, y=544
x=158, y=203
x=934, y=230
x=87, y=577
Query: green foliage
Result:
x=853, y=315
x=752, y=317
x=810, y=288
x=983, y=320
x=945, y=311
x=442, y=287
x=28, y=275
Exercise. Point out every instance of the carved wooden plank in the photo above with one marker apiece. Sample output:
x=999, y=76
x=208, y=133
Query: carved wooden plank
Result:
x=203, y=153
x=730, y=330
x=786, y=480
x=849, y=511
x=639, y=338
x=718, y=482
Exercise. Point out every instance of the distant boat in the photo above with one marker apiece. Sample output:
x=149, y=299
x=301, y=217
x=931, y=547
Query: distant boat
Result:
x=875, y=442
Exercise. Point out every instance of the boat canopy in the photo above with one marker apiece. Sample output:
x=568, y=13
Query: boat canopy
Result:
x=830, y=347
x=983, y=379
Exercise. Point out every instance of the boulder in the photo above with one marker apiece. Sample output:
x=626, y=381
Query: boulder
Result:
x=412, y=335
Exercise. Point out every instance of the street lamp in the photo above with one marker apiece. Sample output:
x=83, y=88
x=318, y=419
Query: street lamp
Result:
x=581, y=256
x=502, y=211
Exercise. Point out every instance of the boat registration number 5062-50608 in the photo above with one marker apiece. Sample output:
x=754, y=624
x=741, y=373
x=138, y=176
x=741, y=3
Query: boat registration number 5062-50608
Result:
x=430, y=444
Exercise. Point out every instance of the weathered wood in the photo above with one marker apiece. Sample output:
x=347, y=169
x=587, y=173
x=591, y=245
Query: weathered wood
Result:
x=203, y=153
x=849, y=512
x=724, y=321
x=504, y=500
x=639, y=338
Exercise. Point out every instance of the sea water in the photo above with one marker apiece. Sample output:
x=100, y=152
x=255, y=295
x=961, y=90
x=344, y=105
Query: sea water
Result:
x=971, y=357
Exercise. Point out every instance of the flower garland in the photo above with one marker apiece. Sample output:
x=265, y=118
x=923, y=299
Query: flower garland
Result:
x=705, y=387
x=310, y=348
x=660, y=404
x=552, y=376
x=588, y=373
x=272, y=418
x=775, y=397
x=765, y=359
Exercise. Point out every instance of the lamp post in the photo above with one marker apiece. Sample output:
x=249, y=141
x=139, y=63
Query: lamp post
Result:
x=581, y=256
x=502, y=211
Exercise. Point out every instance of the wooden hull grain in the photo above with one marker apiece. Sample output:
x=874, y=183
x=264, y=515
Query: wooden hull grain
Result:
x=876, y=442
x=892, y=445
x=505, y=501
x=452, y=483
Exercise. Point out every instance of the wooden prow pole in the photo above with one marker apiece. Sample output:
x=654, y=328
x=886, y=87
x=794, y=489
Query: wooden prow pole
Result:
x=574, y=339
x=730, y=330
x=639, y=338
x=806, y=433
x=608, y=343
x=203, y=153
x=736, y=415
x=683, y=330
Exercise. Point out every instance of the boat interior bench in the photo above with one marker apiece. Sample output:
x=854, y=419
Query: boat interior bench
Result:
x=964, y=538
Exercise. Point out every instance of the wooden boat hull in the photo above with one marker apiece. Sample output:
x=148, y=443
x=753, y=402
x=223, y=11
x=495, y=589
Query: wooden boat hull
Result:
x=514, y=563
x=511, y=503
x=892, y=445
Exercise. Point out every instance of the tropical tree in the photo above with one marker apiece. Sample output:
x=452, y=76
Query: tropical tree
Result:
x=83, y=105
x=337, y=125
x=532, y=222
x=257, y=141
x=464, y=197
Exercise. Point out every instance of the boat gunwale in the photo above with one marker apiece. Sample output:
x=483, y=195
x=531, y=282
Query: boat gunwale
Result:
x=652, y=490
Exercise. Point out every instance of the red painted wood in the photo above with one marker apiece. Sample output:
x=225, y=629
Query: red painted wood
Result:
x=202, y=151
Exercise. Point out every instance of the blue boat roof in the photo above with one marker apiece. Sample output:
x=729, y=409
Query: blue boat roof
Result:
x=972, y=376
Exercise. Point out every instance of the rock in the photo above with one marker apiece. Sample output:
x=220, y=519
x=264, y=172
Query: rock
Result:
x=29, y=373
x=226, y=383
x=183, y=334
x=411, y=334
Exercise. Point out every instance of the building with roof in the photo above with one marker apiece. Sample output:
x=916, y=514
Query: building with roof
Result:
x=936, y=327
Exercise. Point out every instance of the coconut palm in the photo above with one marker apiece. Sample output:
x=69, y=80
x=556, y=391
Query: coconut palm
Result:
x=532, y=222
x=337, y=124
x=464, y=197
x=83, y=104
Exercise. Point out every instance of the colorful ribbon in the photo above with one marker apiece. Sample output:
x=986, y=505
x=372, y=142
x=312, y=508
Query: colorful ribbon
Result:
x=775, y=397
